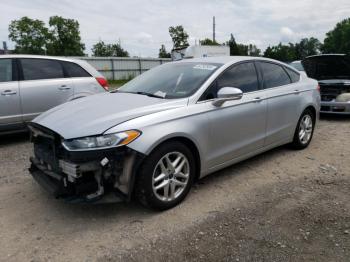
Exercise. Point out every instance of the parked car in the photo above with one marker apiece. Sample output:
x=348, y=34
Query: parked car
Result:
x=30, y=85
x=333, y=74
x=297, y=65
x=170, y=126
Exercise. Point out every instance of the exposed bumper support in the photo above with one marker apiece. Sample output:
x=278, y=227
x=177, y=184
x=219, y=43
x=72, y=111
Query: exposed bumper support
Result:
x=335, y=107
x=110, y=180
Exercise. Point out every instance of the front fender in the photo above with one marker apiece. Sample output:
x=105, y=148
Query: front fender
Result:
x=193, y=128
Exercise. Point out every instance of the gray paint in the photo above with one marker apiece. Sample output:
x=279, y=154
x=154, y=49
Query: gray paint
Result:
x=223, y=135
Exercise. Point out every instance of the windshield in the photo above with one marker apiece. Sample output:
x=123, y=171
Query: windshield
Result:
x=171, y=80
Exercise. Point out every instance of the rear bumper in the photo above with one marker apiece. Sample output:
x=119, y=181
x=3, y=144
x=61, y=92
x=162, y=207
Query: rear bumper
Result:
x=335, y=107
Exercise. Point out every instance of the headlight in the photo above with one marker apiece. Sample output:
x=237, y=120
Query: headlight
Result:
x=101, y=142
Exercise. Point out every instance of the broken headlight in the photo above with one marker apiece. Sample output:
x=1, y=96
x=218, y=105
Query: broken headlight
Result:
x=101, y=142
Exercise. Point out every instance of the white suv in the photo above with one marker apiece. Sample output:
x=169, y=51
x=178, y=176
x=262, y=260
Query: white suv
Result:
x=30, y=85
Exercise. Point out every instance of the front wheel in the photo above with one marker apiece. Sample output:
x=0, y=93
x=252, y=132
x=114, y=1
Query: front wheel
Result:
x=166, y=176
x=304, y=130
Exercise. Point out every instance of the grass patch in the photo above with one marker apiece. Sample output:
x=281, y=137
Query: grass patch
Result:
x=114, y=84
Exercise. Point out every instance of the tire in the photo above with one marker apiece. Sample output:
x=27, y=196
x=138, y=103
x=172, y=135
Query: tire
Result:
x=156, y=172
x=304, y=130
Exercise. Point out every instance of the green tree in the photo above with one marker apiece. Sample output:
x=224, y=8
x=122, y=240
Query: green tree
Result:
x=285, y=53
x=338, y=39
x=208, y=41
x=30, y=36
x=102, y=49
x=163, y=53
x=64, y=37
x=307, y=47
x=297, y=51
x=179, y=36
x=237, y=49
x=233, y=46
x=253, y=50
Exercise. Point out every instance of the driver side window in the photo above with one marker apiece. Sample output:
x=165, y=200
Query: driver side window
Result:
x=242, y=76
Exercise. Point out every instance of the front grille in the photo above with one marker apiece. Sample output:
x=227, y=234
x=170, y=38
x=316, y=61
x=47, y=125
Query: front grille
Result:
x=46, y=144
x=325, y=108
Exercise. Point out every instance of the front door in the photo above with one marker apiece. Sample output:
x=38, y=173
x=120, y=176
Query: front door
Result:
x=237, y=128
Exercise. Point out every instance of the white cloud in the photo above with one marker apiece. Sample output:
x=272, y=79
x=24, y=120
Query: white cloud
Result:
x=287, y=34
x=142, y=26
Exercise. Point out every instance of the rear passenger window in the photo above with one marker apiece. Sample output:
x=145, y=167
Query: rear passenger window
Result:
x=5, y=70
x=74, y=70
x=293, y=75
x=274, y=75
x=34, y=69
x=242, y=76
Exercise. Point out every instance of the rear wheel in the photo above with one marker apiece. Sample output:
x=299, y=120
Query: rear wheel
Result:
x=166, y=176
x=304, y=131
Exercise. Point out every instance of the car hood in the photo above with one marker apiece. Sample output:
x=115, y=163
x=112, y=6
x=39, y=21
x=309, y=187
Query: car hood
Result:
x=95, y=114
x=325, y=67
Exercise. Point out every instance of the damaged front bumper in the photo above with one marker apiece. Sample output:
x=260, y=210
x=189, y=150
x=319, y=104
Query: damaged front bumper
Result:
x=86, y=176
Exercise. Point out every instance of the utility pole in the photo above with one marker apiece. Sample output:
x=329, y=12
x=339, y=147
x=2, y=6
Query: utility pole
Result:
x=214, y=29
x=4, y=44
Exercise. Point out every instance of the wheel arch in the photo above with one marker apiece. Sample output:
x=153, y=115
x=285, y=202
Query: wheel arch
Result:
x=187, y=142
x=182, y=139
x=312, y=109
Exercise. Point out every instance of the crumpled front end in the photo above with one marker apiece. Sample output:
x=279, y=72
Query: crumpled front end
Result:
x=86, y=176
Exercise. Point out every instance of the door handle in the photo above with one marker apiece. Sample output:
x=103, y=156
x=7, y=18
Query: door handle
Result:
x=8, y=93
x=64, y=87
x=257, y=99
x=296, y=91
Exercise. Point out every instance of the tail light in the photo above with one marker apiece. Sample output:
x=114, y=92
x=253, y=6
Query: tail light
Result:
x=103, y=82
x=318, y=88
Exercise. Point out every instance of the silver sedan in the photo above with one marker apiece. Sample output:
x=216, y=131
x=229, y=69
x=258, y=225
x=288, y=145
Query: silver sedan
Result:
x=170, y=126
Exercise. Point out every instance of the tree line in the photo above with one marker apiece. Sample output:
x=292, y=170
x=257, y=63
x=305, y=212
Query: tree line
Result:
x=61, y=37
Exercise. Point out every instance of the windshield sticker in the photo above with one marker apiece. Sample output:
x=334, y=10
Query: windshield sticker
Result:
x=160, y=93
x=205, y=67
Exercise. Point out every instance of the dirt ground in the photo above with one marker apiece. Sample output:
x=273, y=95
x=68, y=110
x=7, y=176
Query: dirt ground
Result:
x=283, y=205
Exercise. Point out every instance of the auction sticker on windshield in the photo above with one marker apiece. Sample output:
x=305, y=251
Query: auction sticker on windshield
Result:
x=205, y=67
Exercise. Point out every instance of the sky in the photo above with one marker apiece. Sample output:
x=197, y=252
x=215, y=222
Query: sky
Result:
x=142, y=26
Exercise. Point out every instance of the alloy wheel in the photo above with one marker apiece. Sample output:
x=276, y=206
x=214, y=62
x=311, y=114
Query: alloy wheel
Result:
x=305, y=129
x=170, y=176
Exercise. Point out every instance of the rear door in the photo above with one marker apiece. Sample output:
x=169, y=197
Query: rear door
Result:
x=84, y=83
x=43, y=86
x=283, y=99
x=10, y=107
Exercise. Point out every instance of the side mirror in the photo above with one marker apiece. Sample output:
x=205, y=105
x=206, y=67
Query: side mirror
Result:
x=227, y=94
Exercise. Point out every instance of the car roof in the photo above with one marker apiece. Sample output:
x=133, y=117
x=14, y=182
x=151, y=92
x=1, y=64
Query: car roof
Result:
x=91, y=70
x=227, y=59
x=69, y=59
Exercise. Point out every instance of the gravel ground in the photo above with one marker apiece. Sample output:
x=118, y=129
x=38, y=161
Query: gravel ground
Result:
x=283, y=205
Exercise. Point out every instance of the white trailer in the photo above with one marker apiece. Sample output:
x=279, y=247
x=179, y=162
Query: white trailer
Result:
x=200, y=51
